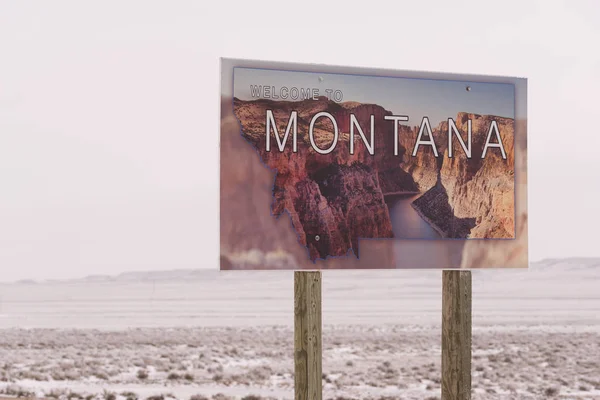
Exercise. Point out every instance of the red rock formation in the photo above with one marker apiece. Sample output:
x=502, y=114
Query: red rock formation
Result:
x=251, y=237
x=424, y=166
x=506, y=253
x=474, y=198
x=334, y=199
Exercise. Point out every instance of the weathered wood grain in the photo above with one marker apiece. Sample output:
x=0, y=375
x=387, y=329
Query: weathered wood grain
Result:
x=307, y=335
x=456, y=335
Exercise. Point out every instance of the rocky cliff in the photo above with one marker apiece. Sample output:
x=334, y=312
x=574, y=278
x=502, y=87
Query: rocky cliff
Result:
x=424, y=166
x=333, y=199
x=251, y=237
x=474, y=198
x=506, y=253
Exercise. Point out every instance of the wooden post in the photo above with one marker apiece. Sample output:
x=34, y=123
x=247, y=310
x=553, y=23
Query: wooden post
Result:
x=307, y=336
x=456, y=335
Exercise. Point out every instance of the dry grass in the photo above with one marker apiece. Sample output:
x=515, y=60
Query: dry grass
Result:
x=359, y=363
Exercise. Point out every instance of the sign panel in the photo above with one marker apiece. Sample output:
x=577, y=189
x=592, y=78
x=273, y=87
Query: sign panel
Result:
x=331, y=167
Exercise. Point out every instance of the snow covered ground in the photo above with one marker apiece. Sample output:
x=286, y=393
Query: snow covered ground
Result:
x=536, y=335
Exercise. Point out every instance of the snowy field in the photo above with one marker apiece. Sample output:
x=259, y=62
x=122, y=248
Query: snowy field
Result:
x=209, y=335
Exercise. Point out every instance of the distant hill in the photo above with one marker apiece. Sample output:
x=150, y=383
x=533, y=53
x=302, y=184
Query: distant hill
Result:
x=554, y=267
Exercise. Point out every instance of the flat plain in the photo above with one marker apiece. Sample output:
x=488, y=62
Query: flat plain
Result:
x=208, y=335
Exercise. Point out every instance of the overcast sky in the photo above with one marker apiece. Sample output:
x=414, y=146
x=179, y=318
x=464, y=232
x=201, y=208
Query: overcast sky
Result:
x=109, y=118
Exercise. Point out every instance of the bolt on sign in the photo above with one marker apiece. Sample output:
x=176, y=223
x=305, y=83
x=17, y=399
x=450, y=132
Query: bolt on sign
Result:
x=326, y=167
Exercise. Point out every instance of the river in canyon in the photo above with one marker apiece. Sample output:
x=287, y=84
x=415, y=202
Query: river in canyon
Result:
x=420, y=246
x=406, y=222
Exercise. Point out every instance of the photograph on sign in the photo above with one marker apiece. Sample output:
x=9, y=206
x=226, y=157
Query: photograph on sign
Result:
x=394, y=171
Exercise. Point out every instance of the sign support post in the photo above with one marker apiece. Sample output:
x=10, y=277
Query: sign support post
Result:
x=456, y=335
x=308, y=382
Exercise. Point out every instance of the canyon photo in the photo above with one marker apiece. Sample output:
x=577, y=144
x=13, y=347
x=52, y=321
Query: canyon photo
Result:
x=370, y=178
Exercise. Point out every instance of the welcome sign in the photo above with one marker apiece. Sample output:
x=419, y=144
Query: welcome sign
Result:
x=413, y=166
